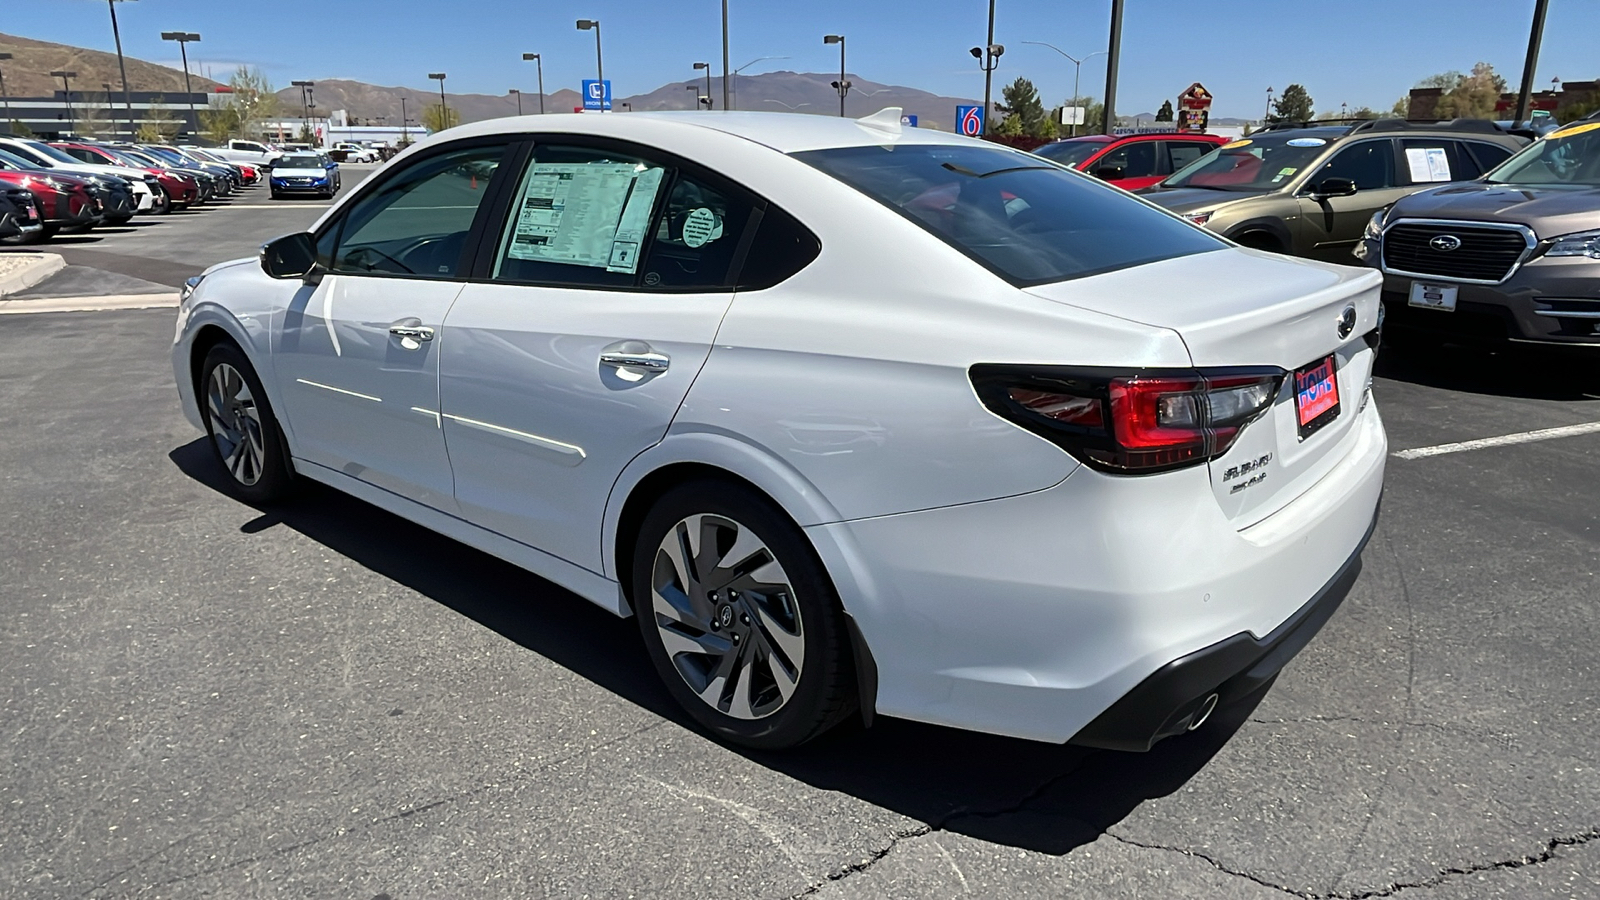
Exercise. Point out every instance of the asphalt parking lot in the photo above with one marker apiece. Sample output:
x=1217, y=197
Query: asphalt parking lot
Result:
x=319, y=699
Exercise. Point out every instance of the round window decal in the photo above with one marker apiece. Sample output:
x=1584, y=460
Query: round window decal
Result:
x=698, y=227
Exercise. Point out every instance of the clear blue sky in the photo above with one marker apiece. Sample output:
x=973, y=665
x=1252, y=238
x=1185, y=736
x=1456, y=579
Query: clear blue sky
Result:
x=1361, y=52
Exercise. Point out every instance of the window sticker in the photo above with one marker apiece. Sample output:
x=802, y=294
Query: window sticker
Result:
x=1428, y=164
x=585, y=214
x=699, y=226
x=1306, y=142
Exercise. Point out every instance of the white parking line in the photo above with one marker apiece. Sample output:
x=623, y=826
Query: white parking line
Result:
x=88, y=304
x=1524, y=437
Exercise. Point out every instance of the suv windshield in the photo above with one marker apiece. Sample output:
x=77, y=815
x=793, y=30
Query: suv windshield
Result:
x=1251, y=165
x=1070, y=153
x=1027, y=220
x=1569, y=156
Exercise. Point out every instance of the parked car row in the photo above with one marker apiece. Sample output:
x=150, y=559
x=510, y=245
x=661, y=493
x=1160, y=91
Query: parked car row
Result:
x=75, y=186
x=1482, y=236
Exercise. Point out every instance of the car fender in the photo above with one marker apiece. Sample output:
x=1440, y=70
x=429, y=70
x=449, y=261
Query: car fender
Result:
x=1272, y=225
x=792, y=491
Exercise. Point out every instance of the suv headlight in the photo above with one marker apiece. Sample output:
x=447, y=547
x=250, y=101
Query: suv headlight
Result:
x=1584, y=243
x=1374, y=229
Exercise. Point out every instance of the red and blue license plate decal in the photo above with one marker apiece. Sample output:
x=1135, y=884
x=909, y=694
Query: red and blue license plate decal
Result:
x=1316, y=394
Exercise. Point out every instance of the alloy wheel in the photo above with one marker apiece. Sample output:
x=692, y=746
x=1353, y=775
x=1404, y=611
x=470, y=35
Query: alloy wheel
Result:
x=235, y=424
x=727, y=616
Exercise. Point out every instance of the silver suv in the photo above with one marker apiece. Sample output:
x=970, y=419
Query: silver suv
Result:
x=1513, y=256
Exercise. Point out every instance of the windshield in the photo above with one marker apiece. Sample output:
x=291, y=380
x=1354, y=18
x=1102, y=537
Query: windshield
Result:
x=298, y=161
x=52, y=153
x=1570, y=156
x=1251, y=165
x=1070, y=153
x=20, y=162
x=1027, y=220
x=28, y=155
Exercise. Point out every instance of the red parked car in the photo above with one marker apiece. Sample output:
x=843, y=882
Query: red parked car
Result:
x=1131, y=161
x=64, y=201
x=180, y=190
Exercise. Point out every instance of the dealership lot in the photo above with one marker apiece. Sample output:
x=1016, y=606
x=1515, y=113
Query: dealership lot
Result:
x=206, y=699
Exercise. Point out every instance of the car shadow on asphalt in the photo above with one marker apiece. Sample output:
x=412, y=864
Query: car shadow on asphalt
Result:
x=1042, y=797
x=1515, y=372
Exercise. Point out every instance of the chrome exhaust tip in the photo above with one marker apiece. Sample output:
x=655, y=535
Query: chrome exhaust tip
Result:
x=1204, y=712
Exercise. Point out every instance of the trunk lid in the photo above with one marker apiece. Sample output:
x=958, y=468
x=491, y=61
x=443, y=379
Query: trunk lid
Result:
x=1241, y=307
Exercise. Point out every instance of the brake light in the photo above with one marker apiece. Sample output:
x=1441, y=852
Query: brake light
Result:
x=1141, y=422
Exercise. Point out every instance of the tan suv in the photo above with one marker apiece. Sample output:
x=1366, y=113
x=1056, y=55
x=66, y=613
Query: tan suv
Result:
x=1309, y=189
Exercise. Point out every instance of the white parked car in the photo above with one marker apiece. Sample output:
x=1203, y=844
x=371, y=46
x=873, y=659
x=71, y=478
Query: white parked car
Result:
x=141, y=185
x=254, y=153
x=356, y=153
x=848, y=416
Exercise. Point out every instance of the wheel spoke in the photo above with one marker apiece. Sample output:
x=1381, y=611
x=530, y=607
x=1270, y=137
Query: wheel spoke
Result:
x=677, y=642
x=790, y=645
x=739, y=704
x=780, y=676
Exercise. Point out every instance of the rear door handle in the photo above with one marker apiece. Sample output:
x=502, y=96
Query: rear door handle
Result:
x=634, y=355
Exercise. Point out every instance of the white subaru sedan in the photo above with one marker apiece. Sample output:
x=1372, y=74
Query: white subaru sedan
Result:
x=851, y=418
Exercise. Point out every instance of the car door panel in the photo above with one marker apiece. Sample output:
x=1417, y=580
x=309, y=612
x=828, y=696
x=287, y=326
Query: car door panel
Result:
x=1329, y=227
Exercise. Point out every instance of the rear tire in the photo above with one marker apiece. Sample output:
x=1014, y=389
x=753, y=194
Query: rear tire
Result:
x=740, y=618
x=243, y=432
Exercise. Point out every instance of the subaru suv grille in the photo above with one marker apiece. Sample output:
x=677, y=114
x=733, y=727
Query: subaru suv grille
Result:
x=1459, y=251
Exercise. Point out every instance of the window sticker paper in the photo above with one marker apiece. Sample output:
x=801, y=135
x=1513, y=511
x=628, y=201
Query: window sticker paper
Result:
x=585, y=214
x=1428, y=164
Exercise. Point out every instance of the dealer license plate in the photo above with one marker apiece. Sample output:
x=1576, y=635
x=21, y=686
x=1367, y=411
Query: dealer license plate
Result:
x=1433, y=296
x=1316, y=395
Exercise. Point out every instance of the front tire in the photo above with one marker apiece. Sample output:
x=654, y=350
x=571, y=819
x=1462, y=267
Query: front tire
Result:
x=739, y=617
x=244, y=433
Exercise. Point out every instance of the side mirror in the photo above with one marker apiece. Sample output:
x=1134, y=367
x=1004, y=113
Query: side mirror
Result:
x=291, y=256
x=1107, y=173
x=1336, y=187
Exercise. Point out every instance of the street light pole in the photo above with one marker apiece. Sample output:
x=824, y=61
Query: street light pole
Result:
x=444, y=109
x=117, y=36
x=539, y=64
x=1113, y=60
x=183, y=38
x=988, y=71
x=519, y=100
x=66, y=84
x=707, y=67
x=599, y=60
x=1525, y=95
x=842, y=86
x=746, y=66
x=724, y=59
x=1077, y=69
x=405, y=135
x=305, y=109
x=1268, y=114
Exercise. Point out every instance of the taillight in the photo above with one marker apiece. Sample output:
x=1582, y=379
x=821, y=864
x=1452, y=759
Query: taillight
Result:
x=1146, y=421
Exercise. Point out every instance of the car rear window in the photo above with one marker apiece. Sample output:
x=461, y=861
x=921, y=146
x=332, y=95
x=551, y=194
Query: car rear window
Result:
x=1028, y=221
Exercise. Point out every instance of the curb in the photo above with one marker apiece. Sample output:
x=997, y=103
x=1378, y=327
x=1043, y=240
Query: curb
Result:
x=88, y=304
x=43, y=266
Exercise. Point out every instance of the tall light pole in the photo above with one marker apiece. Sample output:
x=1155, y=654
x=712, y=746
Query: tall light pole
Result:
x=698, y=97
x=1077, y=69
x=1268, y=114
x=117, y=36
x=444, y=110
x=539, y=64
x=405, y=135
x=842, y=86
x=599, y=61
x=707, y=67
x=519, y=100
x=305, y=105
x=66, y=84
x=1113, y=60
x=1525, y=95
x=3, y=95
x=746, y=66
x=988, y=57
x=183, y=38
x=724, y=58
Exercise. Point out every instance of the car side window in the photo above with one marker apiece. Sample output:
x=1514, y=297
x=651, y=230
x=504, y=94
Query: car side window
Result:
x=415, y=224
x=1181, y=153
x=1430, y=160
x=782, y=247
x=1136, y=159
x=599, y=217
x=1487, y=155
x=1370, y=164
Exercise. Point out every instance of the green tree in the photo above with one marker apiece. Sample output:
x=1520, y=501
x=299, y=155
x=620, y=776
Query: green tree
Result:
x=252, y=98
x=160, y=124
x=1471, y=96
x=1576, y=111
x=1402, y=107
x=1093, y=113
x=438, y=118
x=220, y=124
x=1164, y=114
x=1365, y=112
x=1020, y=101
x=1293, y=105
x=20, y=130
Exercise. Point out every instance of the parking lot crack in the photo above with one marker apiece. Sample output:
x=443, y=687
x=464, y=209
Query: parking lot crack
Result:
x=1551, y=849
x=1216, y=864
x=856, y=868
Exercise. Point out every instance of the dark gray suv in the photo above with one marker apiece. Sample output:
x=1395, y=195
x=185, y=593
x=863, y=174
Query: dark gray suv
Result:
x=1513, y=256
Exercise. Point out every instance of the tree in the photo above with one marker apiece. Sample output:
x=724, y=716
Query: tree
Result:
x=1164, y=114
x=161, y=125
x=1293, y=105
x=438, y=118
x=1010, y=126
x=20, y=130
x=1093, y=114
x=1365, y=112
x=93, y=116
x=1020, y=101
x=1470, y=96
x=1576, y=111
x=220, y=124
x=1402, y=107
x=252, y=99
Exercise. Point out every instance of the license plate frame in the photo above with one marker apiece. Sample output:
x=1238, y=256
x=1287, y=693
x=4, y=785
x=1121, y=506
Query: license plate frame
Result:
x=1427, y=295
x=1316, y=394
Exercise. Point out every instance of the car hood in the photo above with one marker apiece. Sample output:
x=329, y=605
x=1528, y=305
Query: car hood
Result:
x=1549, y=211
x=299, y=173
x=1182, y=200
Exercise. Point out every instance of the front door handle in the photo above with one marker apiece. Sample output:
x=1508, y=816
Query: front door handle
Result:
x=635, y=355
x=411, y=331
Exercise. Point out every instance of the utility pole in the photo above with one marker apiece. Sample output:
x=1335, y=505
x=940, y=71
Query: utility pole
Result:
x=1525, y=95
x=842, y=86
x=117, y=35
x=724, y=58
x=1113, y=61
x=405, y=136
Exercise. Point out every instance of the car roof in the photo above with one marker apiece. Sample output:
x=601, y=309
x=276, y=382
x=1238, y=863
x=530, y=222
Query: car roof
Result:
x=781, y=131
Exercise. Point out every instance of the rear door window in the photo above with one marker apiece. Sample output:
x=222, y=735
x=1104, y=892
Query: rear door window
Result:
x=1135, y=159
x=1487, y=155
x=1434, y=160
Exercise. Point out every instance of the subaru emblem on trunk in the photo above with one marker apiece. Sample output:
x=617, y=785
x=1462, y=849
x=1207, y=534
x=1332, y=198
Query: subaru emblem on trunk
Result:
x=1444, y=243
x=1347, y=322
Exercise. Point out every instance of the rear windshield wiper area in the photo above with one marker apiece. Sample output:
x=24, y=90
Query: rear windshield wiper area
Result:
x=963, y=170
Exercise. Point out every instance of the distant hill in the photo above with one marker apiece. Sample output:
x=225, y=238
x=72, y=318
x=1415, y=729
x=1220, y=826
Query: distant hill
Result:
x=28, y=73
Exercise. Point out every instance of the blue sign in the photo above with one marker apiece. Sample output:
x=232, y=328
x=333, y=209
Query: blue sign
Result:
x=908, y=121
x=969, y=120
x=596, y=94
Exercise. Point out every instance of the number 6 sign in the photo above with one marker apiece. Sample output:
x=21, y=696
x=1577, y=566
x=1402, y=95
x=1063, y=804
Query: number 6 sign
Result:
x=969, y=120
